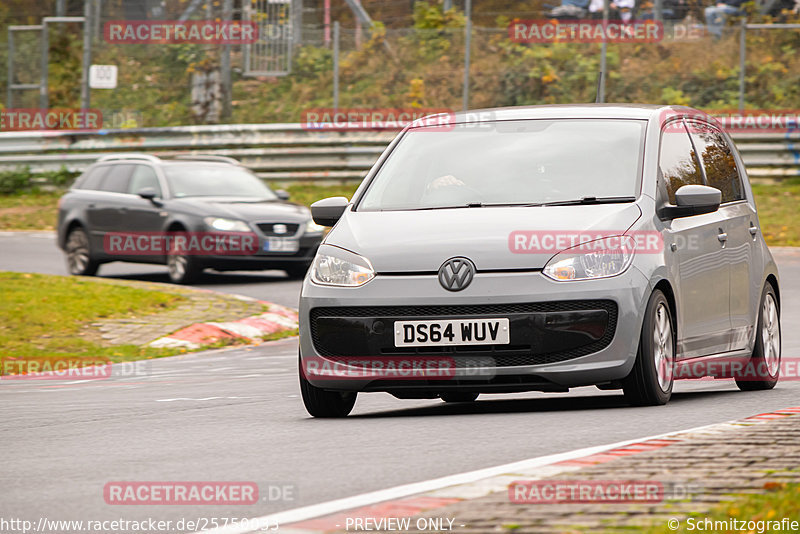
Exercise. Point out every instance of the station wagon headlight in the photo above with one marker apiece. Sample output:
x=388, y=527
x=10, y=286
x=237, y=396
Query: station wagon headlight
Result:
x=226, y=225
x=314, y=228
x=334, y=266
x=600, y=258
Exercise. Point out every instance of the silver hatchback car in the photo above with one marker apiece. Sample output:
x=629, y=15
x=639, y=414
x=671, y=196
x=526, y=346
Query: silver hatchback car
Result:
x=539, y=249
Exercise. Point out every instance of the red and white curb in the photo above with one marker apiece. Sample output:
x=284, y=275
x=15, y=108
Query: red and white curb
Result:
x=412, y=499
x=250, y=329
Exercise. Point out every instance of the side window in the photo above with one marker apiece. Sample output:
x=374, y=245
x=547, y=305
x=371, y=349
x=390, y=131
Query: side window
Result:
x=93, y=178
x=143, y=176
x=117, y=179
x=677, y=161
x=718, y=161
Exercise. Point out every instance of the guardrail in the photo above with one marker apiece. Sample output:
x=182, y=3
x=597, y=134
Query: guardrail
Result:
x=287, y=152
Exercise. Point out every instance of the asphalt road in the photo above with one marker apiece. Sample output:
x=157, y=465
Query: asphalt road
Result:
x=37, y=252
x=236, y=415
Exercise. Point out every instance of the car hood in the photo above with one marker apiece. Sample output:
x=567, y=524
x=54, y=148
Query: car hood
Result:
x=238, y=208
x=420, y=241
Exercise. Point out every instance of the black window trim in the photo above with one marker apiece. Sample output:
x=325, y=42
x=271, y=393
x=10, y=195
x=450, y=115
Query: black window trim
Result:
x=85, y=176
x=161, y=179
x=730, y=148
x=658, y=163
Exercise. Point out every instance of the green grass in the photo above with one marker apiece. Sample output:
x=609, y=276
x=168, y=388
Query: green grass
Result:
x=281, y=335
x=45, y=319
x=777, y=501
x=777, y=205
x=777, y=212
x=33, y=210
x=308, y=193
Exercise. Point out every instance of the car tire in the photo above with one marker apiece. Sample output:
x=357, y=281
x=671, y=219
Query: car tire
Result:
x=651, y=380
x=182, y=268
x=297, y=272
x=764, y=368
x=458, y=396
x=79, y=253
x=323, y=403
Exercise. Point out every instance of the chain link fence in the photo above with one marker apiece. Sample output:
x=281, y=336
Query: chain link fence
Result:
x=412, y=58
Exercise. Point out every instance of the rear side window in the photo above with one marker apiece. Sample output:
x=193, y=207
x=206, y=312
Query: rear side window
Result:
x=143, y=176
x=677, y=160
x=92, y=179
x=718, y=161
x=117, y=179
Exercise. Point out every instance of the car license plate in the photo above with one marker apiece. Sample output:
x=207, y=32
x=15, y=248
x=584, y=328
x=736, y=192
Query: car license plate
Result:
x=281, y=244
x=451, y=332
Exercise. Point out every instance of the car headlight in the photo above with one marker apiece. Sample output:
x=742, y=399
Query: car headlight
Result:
x=600, y=258
x=313, y=228
x=226, y=225
x=334, y=266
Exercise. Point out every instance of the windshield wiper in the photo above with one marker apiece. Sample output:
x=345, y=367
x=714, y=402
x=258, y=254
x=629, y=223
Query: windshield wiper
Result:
x=472, y=205
x=427, y=208
x=578, y=201
x=503, y=204
x=591, y=200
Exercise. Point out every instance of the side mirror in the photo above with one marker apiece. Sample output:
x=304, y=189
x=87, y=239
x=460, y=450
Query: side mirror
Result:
x=328, y=210
x=148, y=193
x=692, y=200
x=282, y=194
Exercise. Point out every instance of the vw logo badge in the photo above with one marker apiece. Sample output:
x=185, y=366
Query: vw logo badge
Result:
x=279, y=228
x=456, y=273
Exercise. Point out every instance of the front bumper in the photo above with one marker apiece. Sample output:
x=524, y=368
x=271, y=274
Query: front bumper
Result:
x=308, y=245
x=563, y=334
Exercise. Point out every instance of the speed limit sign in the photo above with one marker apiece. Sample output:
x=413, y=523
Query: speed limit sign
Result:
x=103, y=76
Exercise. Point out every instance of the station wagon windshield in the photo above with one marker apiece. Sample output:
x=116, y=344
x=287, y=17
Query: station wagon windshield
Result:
x=198, y=180
x=508, y=163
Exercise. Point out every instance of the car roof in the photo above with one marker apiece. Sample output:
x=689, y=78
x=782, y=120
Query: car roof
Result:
x=141, y=157
x=568, y=111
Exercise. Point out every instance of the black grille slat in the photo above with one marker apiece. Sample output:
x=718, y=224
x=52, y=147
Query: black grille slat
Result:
x=268, y=229
x=465, y=355
x=460, y=309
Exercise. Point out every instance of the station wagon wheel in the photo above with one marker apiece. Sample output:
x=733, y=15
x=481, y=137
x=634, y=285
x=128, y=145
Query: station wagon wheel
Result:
x=651, y=380
x=764, y=367
x=182, y=268
x=79, y=254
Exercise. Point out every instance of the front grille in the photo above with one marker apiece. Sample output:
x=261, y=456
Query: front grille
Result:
x=529, y=325
x=268, y=229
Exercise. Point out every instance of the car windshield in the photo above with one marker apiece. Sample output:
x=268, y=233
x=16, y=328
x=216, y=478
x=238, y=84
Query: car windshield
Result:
x=509, y=162
x=215, y=180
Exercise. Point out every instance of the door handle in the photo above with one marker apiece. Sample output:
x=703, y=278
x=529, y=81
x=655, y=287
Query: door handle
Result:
x=91, y=205
x=722, y=236
x=753, y=229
